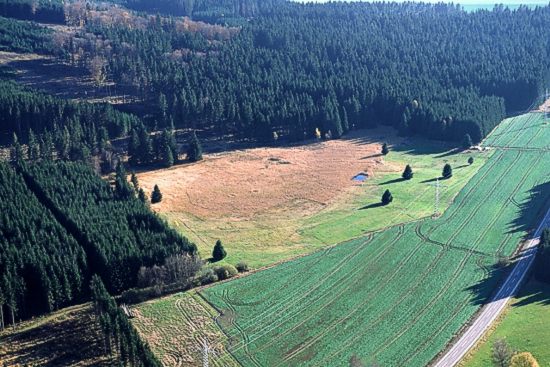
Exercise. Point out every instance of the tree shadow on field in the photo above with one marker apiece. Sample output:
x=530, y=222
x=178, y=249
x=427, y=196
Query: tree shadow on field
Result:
x=494, y=288
x=430, y=180
x=498, y=268
x=371, y=206
x=531, y=210
x=395, y=180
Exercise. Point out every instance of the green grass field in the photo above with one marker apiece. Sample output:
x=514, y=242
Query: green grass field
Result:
x=413, y=199
x=525, y=326
x=397, y=296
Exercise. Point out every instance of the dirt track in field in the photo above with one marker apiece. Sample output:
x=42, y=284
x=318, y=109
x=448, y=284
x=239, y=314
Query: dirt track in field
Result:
x=245, y=183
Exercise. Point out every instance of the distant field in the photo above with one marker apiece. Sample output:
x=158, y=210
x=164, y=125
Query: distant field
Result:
x=269, y=204
x=525, y=326
x=399, y=295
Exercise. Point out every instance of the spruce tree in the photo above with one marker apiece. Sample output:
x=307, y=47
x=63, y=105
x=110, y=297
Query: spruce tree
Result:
x=407, y=173
x=447, y=171
x=134, y=181
x=219, y=252
x=387, y=197
x=471, y=161
x=156, y=195
x=385, y=149
x=34, y=148
x=142, y=196
x=122, y=187
x=16, y=152
x=194, y=152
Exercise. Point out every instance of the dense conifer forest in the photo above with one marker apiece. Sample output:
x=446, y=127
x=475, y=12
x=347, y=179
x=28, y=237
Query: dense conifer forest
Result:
x=285, y=69
x=61, y=223
x=438, y=71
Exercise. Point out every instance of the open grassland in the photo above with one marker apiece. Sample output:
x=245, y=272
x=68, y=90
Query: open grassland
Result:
x=270, y=204
x=525, y=327
x=398, y=295
x=70, y=337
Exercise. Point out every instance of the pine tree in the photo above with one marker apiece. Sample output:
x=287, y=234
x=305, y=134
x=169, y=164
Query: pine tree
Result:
x=122, y=187
x=385, y=149
x=447, y=171
x=156, y=195
x=387, y=197
x=407, y=173
x=134, y=181
x=467, y=141
x=471, y=161
x=142, y=196
x=219, y=252
x=16, y=152
x=194, y=152
x=34, y=148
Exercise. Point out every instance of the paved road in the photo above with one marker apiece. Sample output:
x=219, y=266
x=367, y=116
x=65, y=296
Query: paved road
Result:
x=491, y=311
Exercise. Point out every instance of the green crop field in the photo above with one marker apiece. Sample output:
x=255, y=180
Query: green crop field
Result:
x=395, y=296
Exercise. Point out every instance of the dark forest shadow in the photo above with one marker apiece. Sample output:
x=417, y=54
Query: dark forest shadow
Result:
x=529, y=216
x=531, y=210
x=450, y=153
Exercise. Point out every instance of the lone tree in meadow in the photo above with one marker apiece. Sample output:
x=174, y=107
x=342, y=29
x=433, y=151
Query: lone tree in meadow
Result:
x=156, y=196
x=194, y=151
x=219, y=252
x=407, y=173
x=385, y=149
x=471, y=161
x=387, y=197
x=447, y=171
x=467, y=141
x=502, y=353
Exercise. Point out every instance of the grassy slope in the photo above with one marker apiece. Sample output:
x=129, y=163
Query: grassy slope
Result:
x=268, y=239
x=69, y=337
x=525, y=326
x=427, y=292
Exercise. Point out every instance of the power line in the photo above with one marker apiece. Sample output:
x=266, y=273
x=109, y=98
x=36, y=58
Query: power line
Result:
x=206, y=350
x=438, y=187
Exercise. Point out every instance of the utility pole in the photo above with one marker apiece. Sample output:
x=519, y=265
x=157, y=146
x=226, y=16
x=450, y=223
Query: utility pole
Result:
x=437, y=186
x=205, y=351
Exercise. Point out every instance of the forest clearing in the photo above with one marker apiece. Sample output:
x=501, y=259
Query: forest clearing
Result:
x=269, y=204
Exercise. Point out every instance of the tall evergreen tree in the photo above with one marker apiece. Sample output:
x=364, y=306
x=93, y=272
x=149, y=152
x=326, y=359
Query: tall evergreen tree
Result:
x=156, y=195
x=385, y=149
x=194, y=151
x=447, y=171
x=387, y=197
x=407, y=173
x=218, y=253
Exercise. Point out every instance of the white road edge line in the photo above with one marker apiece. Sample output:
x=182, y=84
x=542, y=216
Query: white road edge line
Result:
x=492, y=310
